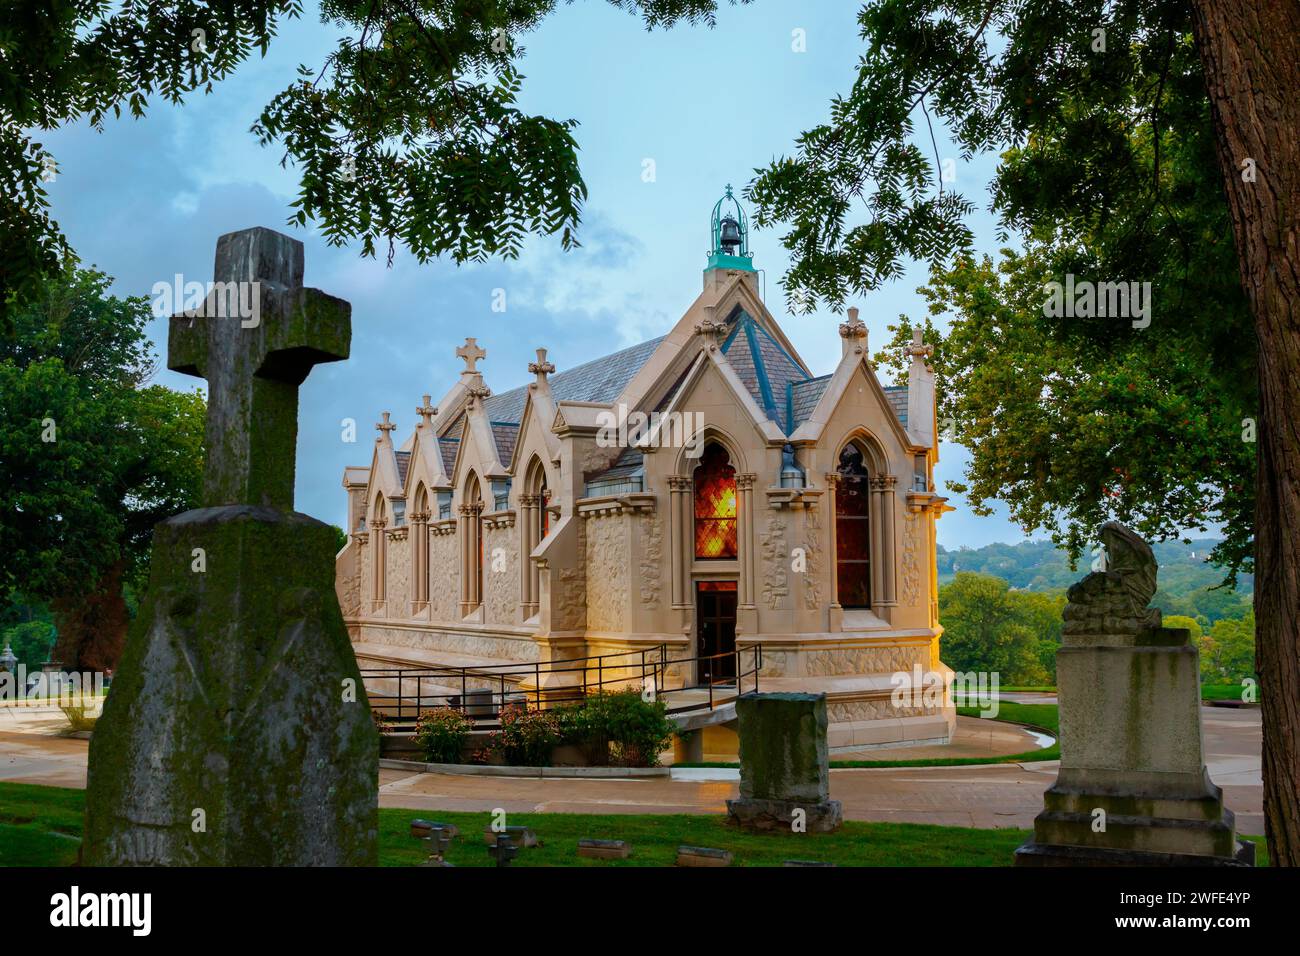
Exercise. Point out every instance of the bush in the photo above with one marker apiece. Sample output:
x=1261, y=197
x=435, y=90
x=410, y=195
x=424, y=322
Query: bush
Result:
x=77, y=718
x=526, y=737
x=623, y=729
x=442, y=733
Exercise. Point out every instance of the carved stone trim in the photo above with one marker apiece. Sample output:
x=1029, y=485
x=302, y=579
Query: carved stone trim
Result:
x=499, y=519
x=605, y=505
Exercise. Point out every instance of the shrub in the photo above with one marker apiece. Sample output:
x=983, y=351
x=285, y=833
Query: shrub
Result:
x=442, y=733
x=623, y=728
x=526, y=737
x=77, y=719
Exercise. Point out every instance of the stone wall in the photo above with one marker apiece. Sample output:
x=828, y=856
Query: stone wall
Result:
x=501, y=574
x=608, y=561
x=398, y=601
x=444, y=577
x=459, y=642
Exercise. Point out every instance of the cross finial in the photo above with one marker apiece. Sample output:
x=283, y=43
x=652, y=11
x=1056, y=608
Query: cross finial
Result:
x=426, y=411
x=918, y=350
x=255, y=340
x=541, y=368
x=384, y=427
x=471, y=353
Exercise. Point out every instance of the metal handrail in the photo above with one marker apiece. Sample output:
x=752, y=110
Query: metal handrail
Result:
x=655, y=667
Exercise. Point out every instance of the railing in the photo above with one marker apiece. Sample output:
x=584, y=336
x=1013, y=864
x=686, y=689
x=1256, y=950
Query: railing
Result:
x=485, y=704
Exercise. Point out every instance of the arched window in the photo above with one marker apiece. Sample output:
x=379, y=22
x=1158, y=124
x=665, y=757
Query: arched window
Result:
x=379, y=552
x=853, y=529
x=420, y=549
x=715, y=505
x=533, y=528
x=472, y=547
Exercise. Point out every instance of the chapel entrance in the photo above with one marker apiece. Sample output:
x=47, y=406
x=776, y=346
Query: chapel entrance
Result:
x=715, y=617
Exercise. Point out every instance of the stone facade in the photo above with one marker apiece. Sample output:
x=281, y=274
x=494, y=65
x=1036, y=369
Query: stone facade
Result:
x=531, y=519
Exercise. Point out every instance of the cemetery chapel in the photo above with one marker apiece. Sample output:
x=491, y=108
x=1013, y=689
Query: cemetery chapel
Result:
x=699, y=492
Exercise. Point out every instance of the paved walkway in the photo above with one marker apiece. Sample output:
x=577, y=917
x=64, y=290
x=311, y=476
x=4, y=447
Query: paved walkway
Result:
x=995, y=795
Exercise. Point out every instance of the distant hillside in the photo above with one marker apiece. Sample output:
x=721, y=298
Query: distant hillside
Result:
x=1187, y=581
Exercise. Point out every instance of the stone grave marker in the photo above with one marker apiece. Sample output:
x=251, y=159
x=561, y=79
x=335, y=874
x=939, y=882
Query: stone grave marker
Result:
x=1133, y=789
x=238, y=731
x=784, y=764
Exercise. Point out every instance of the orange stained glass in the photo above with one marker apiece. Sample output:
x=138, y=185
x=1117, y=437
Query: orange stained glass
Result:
x=715, y=505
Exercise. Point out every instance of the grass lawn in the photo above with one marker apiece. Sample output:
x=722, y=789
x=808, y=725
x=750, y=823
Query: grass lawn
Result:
x=1039, y=716
x=41, y=826
x=1224, y=692
x=1208, y=691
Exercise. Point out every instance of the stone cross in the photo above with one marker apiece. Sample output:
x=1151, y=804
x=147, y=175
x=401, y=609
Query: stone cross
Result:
x=541, y=368
x=426, y=410
x=471, y=353
x=383, y=427
x=254, y=364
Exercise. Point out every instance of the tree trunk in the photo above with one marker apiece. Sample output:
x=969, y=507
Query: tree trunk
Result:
x=92, y=630
x=1250, y=51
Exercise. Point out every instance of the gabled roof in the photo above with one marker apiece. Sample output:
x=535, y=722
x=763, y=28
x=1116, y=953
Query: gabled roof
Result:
x=600, y=380
x=764, y=365
x=403, y=463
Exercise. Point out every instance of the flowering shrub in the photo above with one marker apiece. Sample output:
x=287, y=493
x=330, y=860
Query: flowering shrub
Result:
x=526, y=737
x=442, y=733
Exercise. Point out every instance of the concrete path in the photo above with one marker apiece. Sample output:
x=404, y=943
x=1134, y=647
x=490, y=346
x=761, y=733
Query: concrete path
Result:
x=994, y=795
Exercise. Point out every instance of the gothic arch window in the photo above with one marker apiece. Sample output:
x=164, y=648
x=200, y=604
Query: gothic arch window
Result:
x=379, y=552
x=853, y=528
x=472, y=547
x=533, y=528
x=715, y=505
x=420, y=548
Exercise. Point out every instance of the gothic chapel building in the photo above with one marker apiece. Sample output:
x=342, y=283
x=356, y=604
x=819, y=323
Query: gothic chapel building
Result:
x=798, y=515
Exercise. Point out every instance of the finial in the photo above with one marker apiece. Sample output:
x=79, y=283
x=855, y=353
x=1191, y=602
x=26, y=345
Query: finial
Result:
x=541, y=368
x=471, y=353
x=384, y=426
x=918, y=350
x=854, y=328
x=426, y=411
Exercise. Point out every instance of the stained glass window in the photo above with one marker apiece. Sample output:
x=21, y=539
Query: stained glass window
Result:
x=715, y=505
x=853, y=530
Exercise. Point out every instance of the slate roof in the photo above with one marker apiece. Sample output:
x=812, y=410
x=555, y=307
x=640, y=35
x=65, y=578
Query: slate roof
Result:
x=766, y=368
x=403, y=464
x=505, y=434
x=447, y=447
x=803, y=398
x=628, y=463
x=897, y=395
x=600, y=380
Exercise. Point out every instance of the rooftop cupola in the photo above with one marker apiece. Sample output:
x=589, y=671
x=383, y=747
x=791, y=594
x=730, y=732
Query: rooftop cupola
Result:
x=730, y=249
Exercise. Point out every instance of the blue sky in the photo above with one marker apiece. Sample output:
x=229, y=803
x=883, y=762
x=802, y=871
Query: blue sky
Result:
x=146, y=199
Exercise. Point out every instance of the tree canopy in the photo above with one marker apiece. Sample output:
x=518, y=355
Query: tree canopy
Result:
x=407, y=134
x=92, y=456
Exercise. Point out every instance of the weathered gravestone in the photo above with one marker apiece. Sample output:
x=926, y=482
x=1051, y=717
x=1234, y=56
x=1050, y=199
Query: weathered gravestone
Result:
x=1133, y=789
x=238, y=731
x=784, y=764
